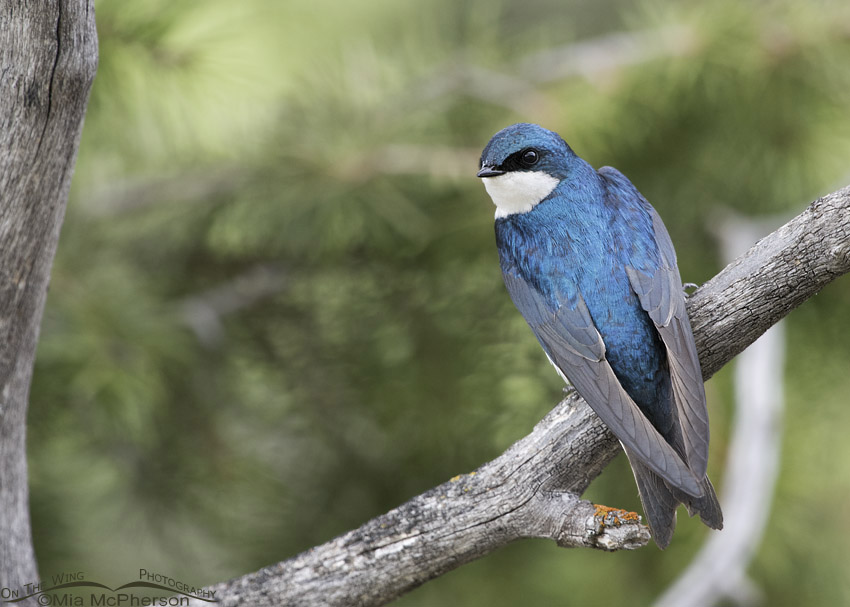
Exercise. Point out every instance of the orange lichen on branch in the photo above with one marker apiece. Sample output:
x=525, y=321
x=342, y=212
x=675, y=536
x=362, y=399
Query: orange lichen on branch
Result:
x=606, y=515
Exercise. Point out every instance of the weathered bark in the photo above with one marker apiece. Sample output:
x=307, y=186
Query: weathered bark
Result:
x=532, y=489
x=48, y=57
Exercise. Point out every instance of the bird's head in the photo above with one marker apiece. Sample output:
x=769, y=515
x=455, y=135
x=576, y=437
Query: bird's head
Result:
x=521, y=165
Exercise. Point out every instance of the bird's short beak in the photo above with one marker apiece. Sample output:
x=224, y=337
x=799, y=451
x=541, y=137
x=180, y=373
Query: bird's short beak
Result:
x=489, y=172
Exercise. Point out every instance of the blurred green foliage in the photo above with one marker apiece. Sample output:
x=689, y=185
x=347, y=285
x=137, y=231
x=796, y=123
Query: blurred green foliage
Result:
x=276, y=310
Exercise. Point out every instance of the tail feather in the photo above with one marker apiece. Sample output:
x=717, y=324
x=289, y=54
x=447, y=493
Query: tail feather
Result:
x=659, y=504
x=660, y=501
x=706, y=506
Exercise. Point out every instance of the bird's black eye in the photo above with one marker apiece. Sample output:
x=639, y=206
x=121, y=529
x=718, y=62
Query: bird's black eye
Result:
x=529, y=157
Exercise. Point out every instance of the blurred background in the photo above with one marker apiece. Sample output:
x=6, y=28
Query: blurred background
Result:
x=277, y=311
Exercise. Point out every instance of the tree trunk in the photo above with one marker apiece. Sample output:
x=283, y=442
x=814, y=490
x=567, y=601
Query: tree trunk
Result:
x=49, y=58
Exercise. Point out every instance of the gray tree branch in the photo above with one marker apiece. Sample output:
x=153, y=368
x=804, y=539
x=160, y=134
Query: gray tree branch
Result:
x=48, y=57
x=533, y=489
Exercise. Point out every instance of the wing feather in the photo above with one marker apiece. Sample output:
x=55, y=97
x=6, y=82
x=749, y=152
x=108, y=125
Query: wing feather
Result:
x=661, y=295
x=575, y=347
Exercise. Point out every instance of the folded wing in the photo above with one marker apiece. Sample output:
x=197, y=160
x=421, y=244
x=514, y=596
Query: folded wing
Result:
x=659, y=290
x=575, y=347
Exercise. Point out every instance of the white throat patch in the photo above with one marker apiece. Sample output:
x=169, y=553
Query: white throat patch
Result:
x=518, y=191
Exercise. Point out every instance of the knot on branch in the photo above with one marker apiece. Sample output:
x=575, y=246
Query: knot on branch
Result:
x=616, y=529
x=840, y=258
x=577, y=523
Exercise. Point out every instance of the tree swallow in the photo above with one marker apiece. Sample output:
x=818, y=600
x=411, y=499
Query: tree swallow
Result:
x=591, y=267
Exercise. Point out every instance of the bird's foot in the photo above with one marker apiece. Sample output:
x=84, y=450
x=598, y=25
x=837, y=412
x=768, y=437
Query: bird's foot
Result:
x=689, y=288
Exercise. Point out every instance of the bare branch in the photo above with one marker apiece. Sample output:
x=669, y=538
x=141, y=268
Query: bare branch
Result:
x=598, y=57
x=186, y=188
x=203, y=312
x=532, y=489
x=776, y=275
